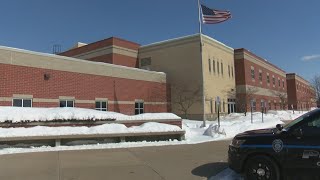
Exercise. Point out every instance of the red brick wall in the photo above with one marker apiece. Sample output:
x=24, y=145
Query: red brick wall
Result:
x=243, y=77
x=301, y=95
x=256, y=82
x=292, y=93
x=239, y=72
x=125, y=60
x=100, y=44
x=107, y=58
x=30, y=81
x=258, y=98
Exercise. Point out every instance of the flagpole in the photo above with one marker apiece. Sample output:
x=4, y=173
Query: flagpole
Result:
x=203, y=92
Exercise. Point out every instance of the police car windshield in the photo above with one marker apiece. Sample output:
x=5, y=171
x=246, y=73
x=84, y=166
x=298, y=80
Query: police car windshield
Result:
x=299, y=119
x=292, y=123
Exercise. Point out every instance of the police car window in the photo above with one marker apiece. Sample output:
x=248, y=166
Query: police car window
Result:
x=315, y=122
x=296, y=121
x=312, y=127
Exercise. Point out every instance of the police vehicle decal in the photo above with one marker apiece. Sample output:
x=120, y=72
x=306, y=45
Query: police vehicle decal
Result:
x=277, y=145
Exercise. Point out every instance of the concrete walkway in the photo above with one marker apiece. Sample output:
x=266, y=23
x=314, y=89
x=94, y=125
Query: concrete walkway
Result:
x=199, y=161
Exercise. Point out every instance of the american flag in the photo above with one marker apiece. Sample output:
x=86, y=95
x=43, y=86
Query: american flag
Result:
x=212, y=16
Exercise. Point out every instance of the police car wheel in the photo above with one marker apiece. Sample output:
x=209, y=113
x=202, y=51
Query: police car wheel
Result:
x=262, y=168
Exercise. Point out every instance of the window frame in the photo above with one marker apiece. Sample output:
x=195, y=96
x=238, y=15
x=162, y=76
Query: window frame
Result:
x=22, y=102
x=253, y=75
x=101, y=107
x=138, y=108
x=66, y=101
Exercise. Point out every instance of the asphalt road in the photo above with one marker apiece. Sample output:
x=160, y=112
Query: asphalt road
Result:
x=199, y=161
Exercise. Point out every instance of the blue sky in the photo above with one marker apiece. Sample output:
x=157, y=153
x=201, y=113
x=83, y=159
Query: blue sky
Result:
x=286, y=32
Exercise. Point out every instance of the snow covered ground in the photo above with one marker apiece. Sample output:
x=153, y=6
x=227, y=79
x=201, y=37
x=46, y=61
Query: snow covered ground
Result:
x=101, y=129
x=19, y=114
x=231, y=125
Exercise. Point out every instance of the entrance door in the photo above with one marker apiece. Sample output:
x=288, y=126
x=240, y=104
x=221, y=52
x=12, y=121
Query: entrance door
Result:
x=231, y=106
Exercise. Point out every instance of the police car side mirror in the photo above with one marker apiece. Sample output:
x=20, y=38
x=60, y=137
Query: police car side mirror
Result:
x=279, y=127
x=297, y=133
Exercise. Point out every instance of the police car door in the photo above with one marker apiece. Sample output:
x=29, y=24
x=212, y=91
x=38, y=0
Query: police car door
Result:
x=303, y=145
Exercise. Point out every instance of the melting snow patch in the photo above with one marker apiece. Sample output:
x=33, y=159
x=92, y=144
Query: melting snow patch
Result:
x=227, y=174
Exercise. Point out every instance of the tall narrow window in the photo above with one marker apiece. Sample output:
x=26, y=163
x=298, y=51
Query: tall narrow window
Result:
x=22, y=102
x=254, y=105
x=209, y=61
x=260, y=76
x=262, y=104
x=218, y=67
x=138, y=107
x=66, y=103
x=268, y=79
x=252, y=73
x=214, y=66
x=101, y=105
x=232, y=71
x=279, y=83
x=222, y=68
x=273, y=81
x=282, y=83
x=229, y=70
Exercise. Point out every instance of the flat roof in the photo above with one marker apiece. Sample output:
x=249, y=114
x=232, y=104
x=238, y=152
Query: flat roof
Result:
x=75, y=59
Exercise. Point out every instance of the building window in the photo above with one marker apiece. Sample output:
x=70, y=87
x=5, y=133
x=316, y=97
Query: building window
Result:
x=138, y=108
x=101, y=105
x=66, y=103
x=214, y=66
x=224, y=106
x=279, y=83
x=211, y=106
x=282, y=83
x=209, y=61
x=268, y=79
x=229, y=70
x=254, y=105
x=22, y=102
x=252, y=73
x=260, y=76
x=273, y=81
x=269, y=106
x=218, y=67
x=222, y=68
x=145, y=63
x=262, y=104
x=232, y=71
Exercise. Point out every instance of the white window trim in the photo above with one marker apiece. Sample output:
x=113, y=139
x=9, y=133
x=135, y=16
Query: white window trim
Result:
x=101, y=108
x=139, y=101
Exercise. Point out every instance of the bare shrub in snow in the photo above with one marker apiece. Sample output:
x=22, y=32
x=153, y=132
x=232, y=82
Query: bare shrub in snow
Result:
x=185, y=97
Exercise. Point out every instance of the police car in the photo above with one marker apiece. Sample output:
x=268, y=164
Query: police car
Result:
x=274, y=153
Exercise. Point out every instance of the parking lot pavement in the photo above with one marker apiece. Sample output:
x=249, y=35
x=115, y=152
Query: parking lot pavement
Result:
x=198, y=161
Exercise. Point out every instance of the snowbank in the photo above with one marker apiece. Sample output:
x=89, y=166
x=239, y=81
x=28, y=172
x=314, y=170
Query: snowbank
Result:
x=102, y=129
x=20, y=114
x=227, y=174
x=234, y=124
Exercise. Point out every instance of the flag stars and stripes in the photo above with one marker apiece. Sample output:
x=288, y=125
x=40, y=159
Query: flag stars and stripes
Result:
x=212, y=16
